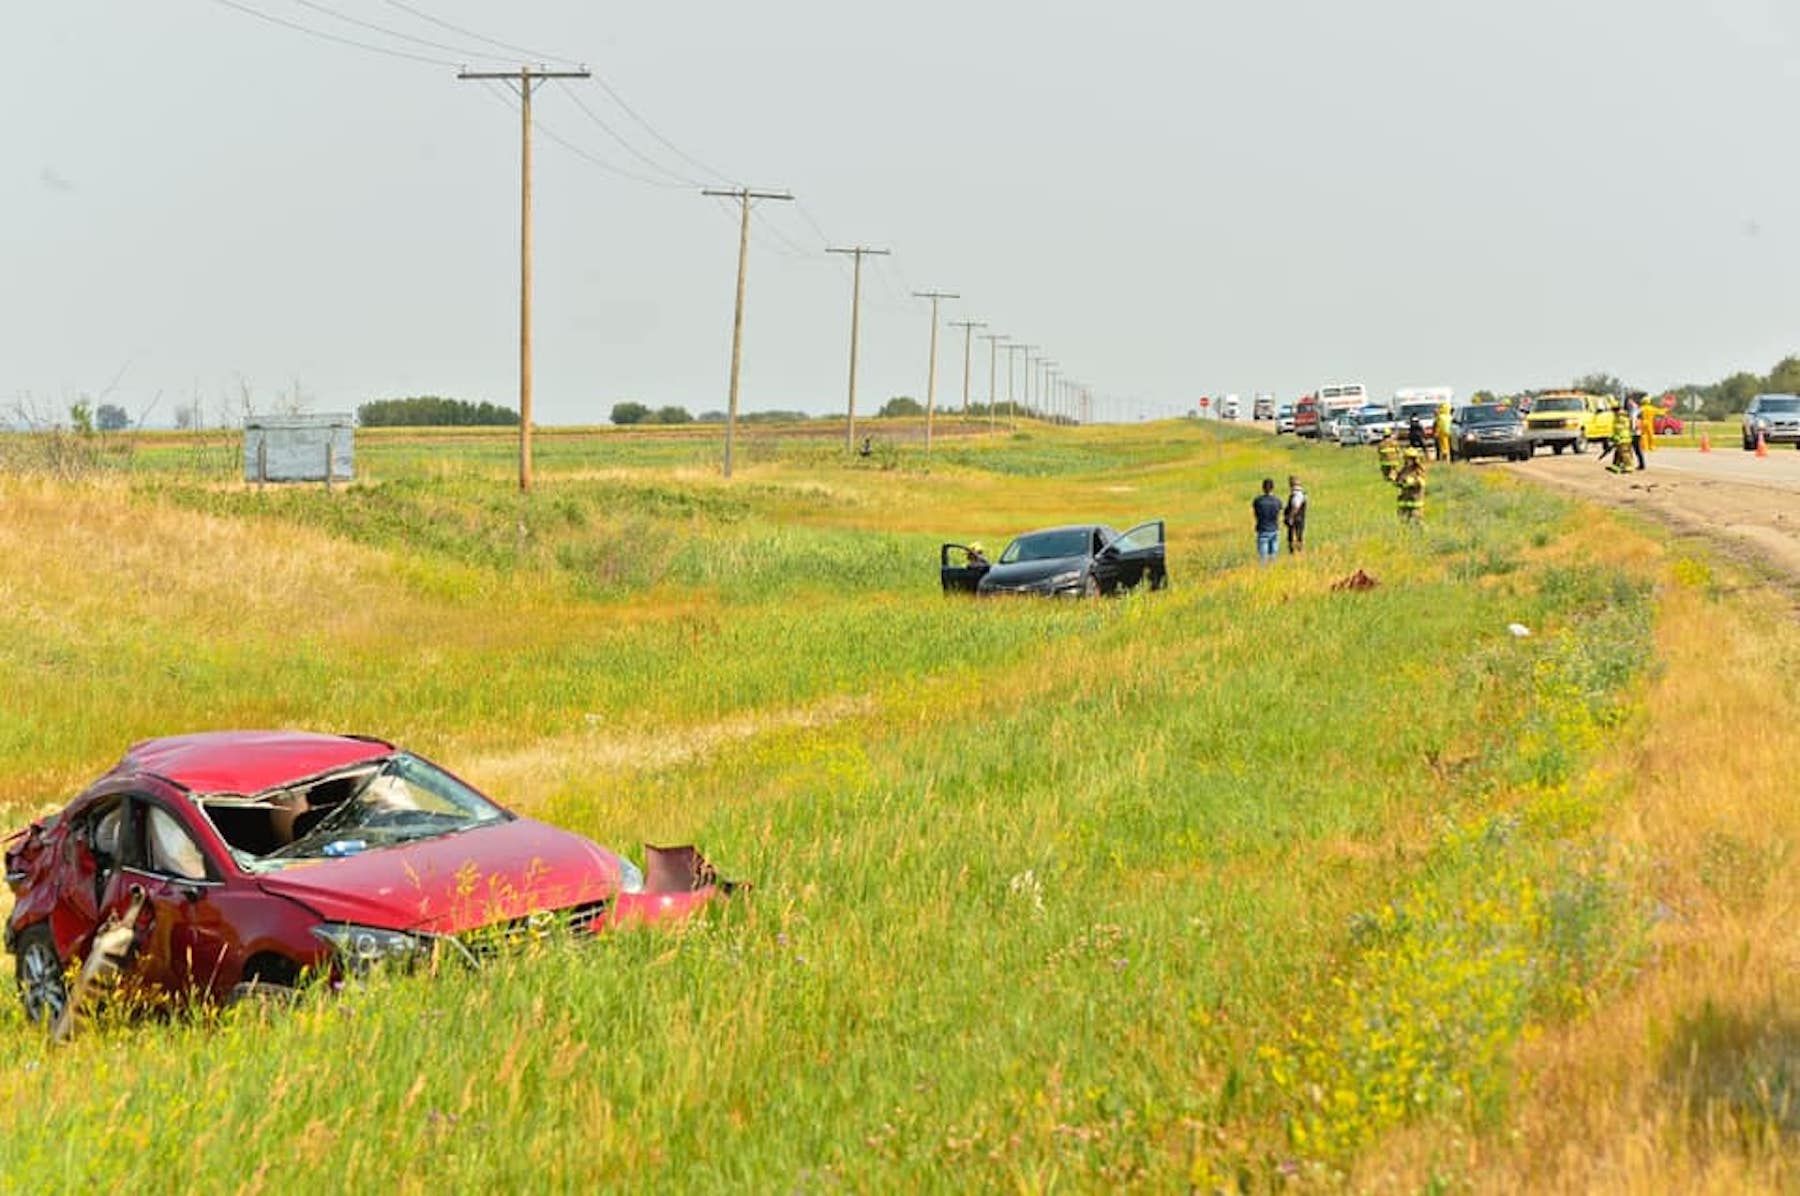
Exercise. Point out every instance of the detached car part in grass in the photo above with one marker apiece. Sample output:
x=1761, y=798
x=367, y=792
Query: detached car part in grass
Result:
x=239, y=860
x=1078, y=561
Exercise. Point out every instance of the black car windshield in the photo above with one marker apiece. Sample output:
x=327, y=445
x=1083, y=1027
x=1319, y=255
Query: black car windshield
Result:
x=1559, y=405
x=1489, y=415
x=1048, y=546
x=401, y=800
x=1787, y=405
x=1373, y=417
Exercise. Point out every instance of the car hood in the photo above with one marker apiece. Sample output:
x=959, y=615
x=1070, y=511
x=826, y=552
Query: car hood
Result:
x=1024, y=573
x=456, y=882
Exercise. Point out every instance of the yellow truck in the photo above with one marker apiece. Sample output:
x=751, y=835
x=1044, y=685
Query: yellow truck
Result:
x=1562, y=419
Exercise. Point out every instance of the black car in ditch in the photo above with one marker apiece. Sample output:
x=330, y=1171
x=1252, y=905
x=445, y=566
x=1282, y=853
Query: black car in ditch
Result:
x=1076, y=561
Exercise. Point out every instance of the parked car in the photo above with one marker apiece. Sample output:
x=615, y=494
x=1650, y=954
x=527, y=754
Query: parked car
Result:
x=1284, y=418
x=1569, y=419
x=1776, y=418
x=1367, y=426
x=1077, y=561
x=1488, y=430
x=251, y=859
x=1668, y=424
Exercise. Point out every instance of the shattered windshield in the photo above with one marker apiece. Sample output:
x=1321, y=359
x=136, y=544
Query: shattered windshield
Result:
x=401, y=800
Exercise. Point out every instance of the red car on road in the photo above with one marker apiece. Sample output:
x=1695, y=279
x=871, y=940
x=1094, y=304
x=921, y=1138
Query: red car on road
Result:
x=255, y=858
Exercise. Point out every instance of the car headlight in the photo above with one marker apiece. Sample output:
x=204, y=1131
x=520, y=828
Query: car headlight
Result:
x=361, y=948
x=631, y=877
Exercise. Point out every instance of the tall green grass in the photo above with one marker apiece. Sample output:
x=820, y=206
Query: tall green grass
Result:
x=1124, y=893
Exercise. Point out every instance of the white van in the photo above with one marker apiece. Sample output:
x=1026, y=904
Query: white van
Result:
x=1339, y=398
x=1231, y=408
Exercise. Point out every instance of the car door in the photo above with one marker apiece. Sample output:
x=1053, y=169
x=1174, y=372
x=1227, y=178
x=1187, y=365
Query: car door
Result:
x=181, y=940
x=960, y=569
x=1139, y=554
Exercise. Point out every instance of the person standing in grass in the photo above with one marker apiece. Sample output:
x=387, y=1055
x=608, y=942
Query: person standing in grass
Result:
x=1410, y=482
x=1268, y=522
x=1388, y=449
x=1294, y=515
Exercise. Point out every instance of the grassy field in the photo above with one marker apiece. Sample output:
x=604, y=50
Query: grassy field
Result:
x=1244, y=884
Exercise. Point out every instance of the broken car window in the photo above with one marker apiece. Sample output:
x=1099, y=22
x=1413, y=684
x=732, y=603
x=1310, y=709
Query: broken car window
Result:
x=170, y=850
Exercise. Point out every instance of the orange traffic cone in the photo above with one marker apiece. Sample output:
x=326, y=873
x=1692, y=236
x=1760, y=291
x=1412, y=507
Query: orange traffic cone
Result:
x=1762, y=445
x=1705, y=441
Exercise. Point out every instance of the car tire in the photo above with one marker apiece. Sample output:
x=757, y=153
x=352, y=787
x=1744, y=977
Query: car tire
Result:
x=1090, y=586
x=1580, y=443
x=1557, y=448
x=43, y=983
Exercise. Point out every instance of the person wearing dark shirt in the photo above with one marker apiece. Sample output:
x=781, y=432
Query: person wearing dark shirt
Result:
x=1268, y=522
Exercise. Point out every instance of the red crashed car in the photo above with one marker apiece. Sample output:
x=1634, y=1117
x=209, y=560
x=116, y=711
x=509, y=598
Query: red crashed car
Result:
x=253, y=858
x=1667, y=425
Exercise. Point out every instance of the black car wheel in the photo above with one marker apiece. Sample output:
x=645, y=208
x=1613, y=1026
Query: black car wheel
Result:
x=42, y=988
x=1556, y=448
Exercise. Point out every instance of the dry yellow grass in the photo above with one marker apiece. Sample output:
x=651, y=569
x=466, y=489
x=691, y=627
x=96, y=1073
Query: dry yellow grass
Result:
x=1690, y=1080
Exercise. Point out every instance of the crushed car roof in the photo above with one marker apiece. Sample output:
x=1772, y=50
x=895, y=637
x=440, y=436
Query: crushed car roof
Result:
x=247, y=761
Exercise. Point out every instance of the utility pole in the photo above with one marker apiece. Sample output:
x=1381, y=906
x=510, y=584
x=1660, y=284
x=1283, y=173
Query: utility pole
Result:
x=931, y=374
x=968, y=327
x=1044, y=371
x=745, y=196
x=1025, y=381
x=993, y=340
x=527, y=80
x=1012, y=404
x=858, y=252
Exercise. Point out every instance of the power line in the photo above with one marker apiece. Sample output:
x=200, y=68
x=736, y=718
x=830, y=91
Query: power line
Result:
x=332, y=37
x=335, y=15
x=469, y=33
x=652, y=130
x=629, y=148
x=504, y=95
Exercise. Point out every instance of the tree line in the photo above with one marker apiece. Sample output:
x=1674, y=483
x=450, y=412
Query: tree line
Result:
x=434, y=411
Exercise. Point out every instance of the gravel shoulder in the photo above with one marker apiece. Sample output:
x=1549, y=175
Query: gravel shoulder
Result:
x=1746, y=505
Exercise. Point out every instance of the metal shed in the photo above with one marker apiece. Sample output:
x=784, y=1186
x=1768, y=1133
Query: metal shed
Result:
x=300, y=448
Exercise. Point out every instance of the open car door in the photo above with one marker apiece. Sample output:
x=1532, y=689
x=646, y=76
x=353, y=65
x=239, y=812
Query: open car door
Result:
x=960, y=568
x=1138, y=556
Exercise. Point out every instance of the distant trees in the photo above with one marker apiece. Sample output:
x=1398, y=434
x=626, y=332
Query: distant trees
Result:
x=433, y=411
x=1600, y=383
x=110, y=417
x=901, y=405
x=1730, y=395
x=628, y=413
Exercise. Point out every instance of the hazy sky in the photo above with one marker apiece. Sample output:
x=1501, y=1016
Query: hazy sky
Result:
x=1173, y=198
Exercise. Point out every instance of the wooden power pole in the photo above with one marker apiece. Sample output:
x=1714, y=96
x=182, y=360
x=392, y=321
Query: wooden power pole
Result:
x=1012, y=404
x=968, y=327
x=527, y=80
x=993, y=339
x=745, y=197
x=857, y=252
x=931, y=372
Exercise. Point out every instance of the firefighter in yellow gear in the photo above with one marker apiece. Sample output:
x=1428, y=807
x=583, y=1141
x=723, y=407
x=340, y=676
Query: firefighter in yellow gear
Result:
x=1621, y=442
x=1410, y=483
x=1389, y=449
x=1440, y=431
x=1648, y=412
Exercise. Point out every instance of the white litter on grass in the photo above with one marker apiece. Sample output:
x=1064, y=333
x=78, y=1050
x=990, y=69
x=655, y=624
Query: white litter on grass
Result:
x=1519, y=630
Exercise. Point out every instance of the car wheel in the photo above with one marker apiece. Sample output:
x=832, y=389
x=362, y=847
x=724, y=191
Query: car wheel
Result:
x=43, y=989
x=1580, y=443
x=1556, y=448
x=1090, y=586
x=261, y=993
